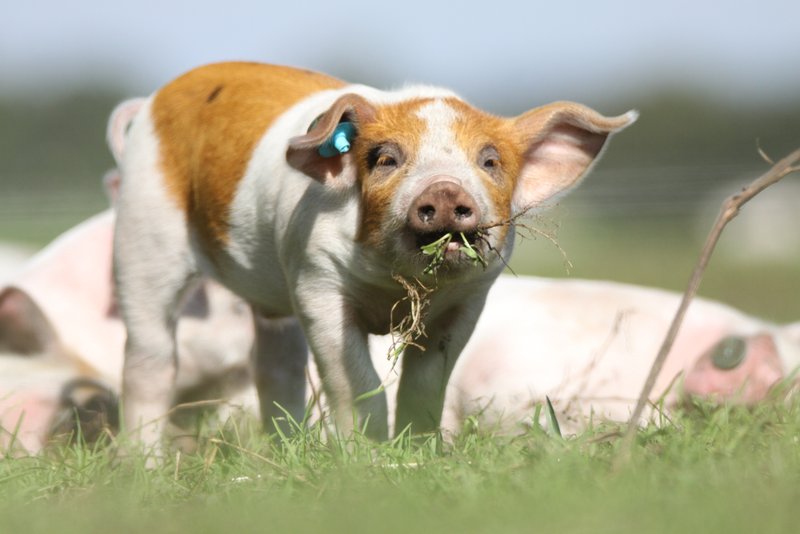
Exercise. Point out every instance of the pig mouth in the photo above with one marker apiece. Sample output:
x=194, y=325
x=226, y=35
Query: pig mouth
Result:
x=451, y=249
x=457, y=239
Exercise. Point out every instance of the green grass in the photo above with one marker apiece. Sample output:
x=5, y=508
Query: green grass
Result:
x=730, y=470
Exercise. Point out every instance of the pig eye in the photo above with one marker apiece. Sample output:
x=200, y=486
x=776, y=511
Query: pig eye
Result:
x=385, y=160
x=489, y=159
x=387, y=156
x=729, y=353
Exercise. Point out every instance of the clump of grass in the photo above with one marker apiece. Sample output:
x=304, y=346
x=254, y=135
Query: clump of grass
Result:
x=472, y=253
x=410, y=328
x=406, y=331
x=436, y=250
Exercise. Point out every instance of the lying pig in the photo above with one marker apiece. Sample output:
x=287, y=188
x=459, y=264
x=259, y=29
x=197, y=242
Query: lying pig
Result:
x=61, y=340
x=589, y=346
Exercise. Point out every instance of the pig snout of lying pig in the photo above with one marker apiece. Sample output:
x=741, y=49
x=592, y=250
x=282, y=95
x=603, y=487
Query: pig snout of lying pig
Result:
x=34, y=367
x=737, y=368
x=87, y=410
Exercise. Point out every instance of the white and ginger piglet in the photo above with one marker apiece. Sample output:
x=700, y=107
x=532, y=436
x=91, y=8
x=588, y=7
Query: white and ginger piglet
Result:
x=229, y=171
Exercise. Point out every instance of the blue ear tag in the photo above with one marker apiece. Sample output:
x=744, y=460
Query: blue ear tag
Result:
x=339, y=141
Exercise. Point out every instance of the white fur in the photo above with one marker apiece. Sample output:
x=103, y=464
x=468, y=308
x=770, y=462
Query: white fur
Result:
x=149, y=294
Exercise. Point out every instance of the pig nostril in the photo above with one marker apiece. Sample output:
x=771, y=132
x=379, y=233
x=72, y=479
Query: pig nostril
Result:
x=729, y=353
x=426, y=213
x=462, y=212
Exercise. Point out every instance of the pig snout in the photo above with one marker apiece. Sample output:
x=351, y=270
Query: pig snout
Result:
x=444, y=206
x=741, y=369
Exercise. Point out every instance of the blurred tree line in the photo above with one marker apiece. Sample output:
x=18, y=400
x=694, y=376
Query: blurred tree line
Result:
x=53, y=152
x=56, y=142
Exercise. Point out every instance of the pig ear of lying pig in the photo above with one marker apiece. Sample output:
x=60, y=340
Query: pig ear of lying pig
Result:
x=119, y=123
x=563, y=140
x=111, y=183
x=24, y=329
x=338, y=170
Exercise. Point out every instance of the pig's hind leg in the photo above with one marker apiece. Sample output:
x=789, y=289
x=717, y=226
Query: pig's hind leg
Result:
x=154, y=267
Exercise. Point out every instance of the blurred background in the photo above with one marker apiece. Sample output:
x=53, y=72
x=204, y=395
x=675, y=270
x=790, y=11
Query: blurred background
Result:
x=713, y=81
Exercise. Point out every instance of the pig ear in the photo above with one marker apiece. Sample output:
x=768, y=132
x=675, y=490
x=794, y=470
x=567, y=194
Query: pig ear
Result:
x=118, y=124
x=303, y=153
x=23, y=327
x=561, y=141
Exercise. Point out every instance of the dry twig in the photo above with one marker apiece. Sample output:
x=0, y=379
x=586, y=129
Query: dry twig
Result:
x=730, y=208
x=521, y=230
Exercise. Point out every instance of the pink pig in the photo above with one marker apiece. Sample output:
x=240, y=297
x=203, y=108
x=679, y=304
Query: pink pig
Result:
x=58, y=325
x=589, y=346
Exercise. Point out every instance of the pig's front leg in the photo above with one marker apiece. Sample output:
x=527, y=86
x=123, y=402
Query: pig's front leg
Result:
x=341, y=352
x=423, y=381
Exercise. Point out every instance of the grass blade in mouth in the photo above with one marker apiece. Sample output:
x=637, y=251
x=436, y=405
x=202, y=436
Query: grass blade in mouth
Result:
x=472, y=253
x=437, y=249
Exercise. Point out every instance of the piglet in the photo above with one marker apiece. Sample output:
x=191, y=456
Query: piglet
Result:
x=308, y=197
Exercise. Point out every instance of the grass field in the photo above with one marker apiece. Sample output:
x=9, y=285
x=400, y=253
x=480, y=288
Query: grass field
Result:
x=729, y=471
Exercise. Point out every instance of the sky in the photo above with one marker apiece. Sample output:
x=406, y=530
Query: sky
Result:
x=491, y=51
